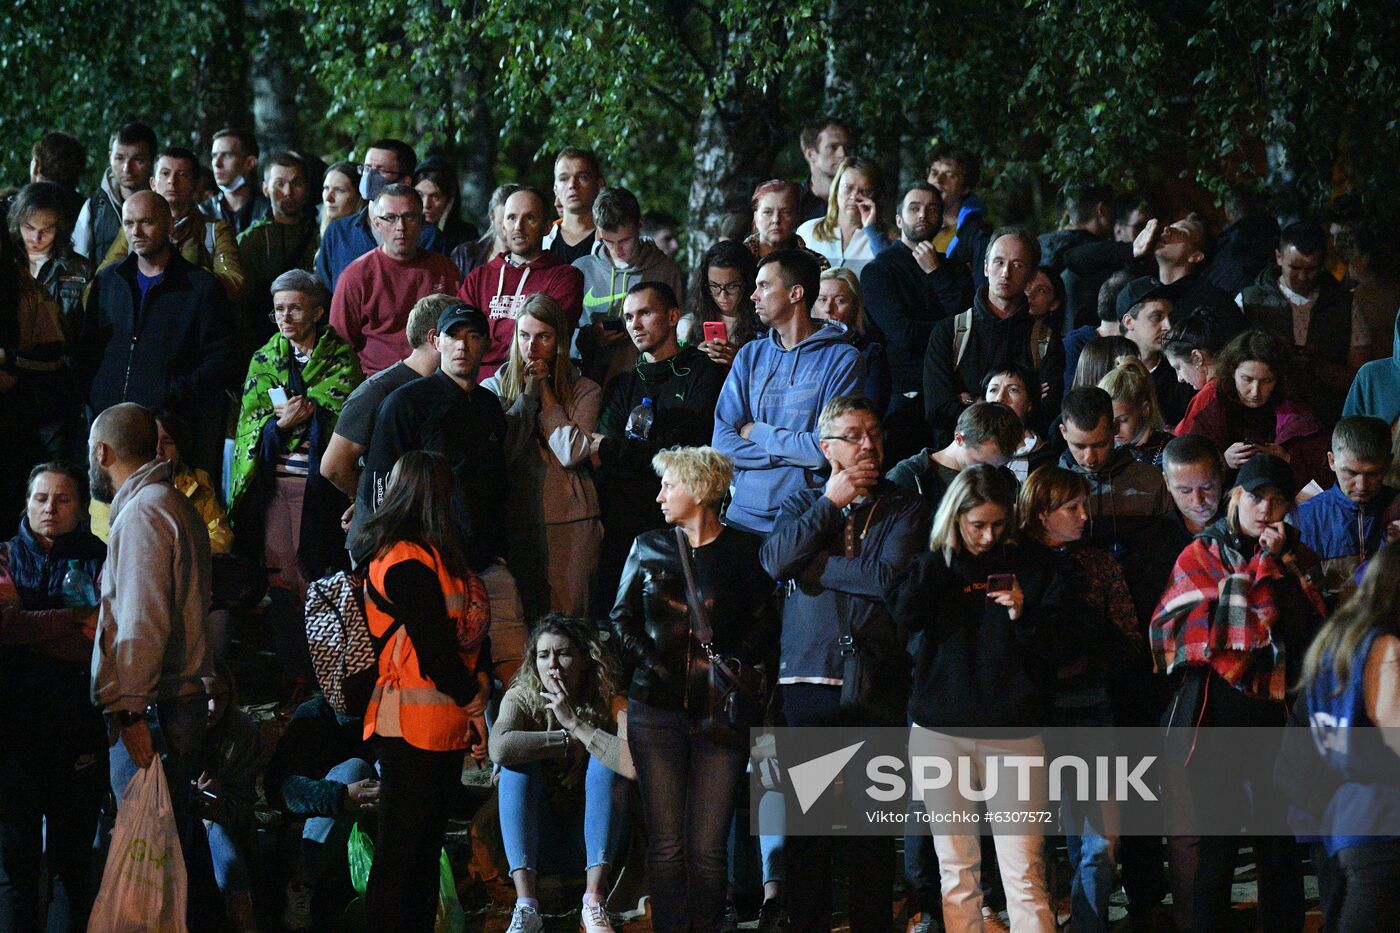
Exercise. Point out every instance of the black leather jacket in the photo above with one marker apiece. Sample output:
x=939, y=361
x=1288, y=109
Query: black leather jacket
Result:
x=651, y=618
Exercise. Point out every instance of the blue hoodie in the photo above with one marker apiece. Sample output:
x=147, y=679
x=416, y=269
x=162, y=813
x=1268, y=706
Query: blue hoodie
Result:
x=1376, y=389
x=782, y=391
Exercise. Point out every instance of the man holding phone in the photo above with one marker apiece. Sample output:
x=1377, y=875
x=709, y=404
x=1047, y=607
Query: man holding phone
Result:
x=837, y=548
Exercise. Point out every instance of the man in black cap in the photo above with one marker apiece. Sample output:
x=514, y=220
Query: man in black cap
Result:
x=448, y=413
x=1144, y=317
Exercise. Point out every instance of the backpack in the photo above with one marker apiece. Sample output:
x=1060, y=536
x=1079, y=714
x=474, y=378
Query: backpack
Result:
x=344, y=653
x=962, y=330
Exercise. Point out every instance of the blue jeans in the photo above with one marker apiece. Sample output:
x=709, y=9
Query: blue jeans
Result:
x=687, y=784
x=230, y=870
x=1091, y=852
x=529, y=822
x=177, y=732
x=318, y=828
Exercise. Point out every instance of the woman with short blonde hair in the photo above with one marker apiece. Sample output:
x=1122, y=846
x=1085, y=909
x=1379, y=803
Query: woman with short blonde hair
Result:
x=687, y=776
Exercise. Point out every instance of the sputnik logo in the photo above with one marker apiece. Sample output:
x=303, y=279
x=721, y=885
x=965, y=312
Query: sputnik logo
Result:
x=811, y=778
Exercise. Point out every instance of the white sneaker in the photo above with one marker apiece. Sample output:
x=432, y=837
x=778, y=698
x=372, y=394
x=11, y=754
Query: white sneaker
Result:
x=297, y=914
x=595, y=919
x=525, y=919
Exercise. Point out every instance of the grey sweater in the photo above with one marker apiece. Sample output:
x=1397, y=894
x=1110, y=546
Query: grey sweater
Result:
x=150, y=641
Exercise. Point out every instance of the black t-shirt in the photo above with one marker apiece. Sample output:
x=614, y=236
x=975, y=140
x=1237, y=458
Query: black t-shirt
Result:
x=569, y=253
x=469, y=429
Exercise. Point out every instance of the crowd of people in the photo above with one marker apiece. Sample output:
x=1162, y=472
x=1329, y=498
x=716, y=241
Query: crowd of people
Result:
x=919, y=471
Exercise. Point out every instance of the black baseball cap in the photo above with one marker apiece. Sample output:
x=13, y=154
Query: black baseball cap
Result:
x=1139, y=290
x=462, y=313
x=1264, y=470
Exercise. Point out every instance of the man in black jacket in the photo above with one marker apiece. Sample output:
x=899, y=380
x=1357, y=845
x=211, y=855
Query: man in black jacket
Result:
x=157, y=331
x=450, y=414
x=1088, y=219
x=910, y=287
x=1176, y=253
x=995, y=331
x=683, y=385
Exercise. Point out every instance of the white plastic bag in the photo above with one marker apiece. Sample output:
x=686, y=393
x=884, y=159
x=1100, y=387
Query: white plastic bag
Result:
x=143, y=884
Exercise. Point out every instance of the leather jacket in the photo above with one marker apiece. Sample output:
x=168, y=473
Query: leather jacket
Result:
x=651, y=618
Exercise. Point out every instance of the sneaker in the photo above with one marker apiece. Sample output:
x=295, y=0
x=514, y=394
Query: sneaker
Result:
x=297, y=914
x=773, y=917
x=595, y=919
x=992, y=922
x=525, y=919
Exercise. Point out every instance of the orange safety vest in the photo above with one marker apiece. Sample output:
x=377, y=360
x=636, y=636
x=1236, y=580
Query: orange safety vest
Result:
x=411, y=706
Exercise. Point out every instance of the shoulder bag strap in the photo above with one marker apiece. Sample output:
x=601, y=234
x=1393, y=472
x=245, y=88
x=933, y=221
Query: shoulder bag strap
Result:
x=699, y=622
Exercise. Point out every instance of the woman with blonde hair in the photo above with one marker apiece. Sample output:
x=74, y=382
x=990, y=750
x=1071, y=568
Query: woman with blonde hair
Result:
x=1137, y=418
x=687, y=776
x=561, y=741
x=839, y=300
x=989, y=608
x=852, y=205
x=552, y=412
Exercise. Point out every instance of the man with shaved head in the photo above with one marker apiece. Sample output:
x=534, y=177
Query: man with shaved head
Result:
x=157, y=331
x=150, y=653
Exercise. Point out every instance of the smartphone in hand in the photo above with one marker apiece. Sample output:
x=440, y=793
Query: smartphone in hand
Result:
x=715, y=332
x=1000, y=583
x=278, y=395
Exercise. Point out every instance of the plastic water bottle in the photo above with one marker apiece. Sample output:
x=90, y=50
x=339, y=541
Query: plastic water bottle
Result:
x=639, y=421
x=78, y=591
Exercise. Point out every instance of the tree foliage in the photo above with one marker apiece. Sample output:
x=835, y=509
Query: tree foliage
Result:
x=681, y=97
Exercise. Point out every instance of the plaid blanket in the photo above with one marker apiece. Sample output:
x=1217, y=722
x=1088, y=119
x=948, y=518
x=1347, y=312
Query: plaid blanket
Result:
x=1220, y=609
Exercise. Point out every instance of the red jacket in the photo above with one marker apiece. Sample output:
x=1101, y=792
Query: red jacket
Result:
x=497, y=287
x=1295, y=430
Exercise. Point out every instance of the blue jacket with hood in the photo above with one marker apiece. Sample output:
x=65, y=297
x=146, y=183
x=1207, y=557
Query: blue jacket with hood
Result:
x=782, y=391
x=1376, y=389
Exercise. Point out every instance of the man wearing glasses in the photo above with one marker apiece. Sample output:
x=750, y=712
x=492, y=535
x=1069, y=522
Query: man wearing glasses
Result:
x=842, y=661
x=387, y=162
x=376, y=292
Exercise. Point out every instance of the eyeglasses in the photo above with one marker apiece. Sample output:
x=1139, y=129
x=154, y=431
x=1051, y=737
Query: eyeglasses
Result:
x=409, y=220
x=290, y=313
x=733, y=288
x=874, y=436
x=386, y=172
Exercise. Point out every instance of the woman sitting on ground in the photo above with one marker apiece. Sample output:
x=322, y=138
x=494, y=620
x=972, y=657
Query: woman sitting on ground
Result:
x=561, y=741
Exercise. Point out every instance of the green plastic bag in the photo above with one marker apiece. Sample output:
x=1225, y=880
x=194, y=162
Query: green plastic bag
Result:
x=361, y=856
x=450, y=916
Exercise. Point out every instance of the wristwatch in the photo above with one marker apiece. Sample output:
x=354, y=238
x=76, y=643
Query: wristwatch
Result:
x=126, y=717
